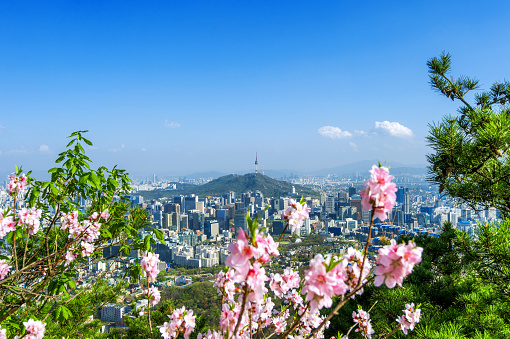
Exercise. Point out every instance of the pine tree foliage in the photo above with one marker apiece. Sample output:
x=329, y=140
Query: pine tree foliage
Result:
x=470, y=159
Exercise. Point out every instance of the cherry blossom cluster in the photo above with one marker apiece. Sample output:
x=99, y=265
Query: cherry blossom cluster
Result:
x=30, y=218
x=149, y=265
x=246, y=306
x=35, y=329
x=210, y=335
x=153, y=295
x=362, y=318
x=379, y=193
x=409, y=318
x=27, y=217
x=333, y=276
x=83, y=233
x=181, y=320
x=16, y=184
x=396, y=261
x=3, y=333
x=280, y=284
x=295, y=214
x=7, y=223
x=4, y=268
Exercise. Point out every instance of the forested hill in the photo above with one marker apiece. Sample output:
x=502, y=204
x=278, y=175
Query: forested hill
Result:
x=237, y=183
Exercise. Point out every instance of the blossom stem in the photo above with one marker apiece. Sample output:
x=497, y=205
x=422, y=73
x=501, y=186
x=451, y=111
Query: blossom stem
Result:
x=25, y=252
x=360, y=279
x=295, y=323
x=392, y=332
x=149, y=307
x=281, y=235
x=245, y=298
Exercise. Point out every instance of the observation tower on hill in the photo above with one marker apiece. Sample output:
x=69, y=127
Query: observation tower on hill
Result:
x=256, y=163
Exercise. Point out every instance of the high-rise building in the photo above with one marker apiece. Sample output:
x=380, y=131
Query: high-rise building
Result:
x=211, y=227
x=172, y=207
x=329, y=205
x=190, y=203
x=352, y=191
x=179, y=199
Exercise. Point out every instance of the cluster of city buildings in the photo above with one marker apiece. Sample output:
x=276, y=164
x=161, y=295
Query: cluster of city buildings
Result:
x=197, y=230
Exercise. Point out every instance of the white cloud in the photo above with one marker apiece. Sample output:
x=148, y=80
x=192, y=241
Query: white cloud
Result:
x=117, y=149
x=354, y=146
x=394, y=129
x=143, y=149
x=333, y=132
x=44, y=148
x=172, y=124
x=21, y=150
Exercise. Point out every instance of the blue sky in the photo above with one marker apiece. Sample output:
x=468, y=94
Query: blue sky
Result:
x=179, y=87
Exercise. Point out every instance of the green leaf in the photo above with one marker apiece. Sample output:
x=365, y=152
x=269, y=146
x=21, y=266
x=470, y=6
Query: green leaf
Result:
x=147, y=242
x=71, y=284
x=127, y=249
x=95, y=180
x=159, y=235
x=87, y=141
x=54, y=190
x=105, y=233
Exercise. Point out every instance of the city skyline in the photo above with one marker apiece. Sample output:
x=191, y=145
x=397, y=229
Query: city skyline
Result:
x=176, y=89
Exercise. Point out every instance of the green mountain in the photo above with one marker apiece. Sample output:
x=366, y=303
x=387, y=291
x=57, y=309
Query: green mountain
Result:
x=237, y=183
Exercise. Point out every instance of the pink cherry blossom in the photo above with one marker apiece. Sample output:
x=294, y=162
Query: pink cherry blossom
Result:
x=379, y=193
x=210, y=335
x=280, y=324
x=35, y=329
x=3, y=333
x=86, y=249
x=105, y=214
x=295, y=214
x=16, y=184
x=153, y=295
x=30, y=218
x=241, y=251
x=149, y=264
x=396, y=262
x=4, y=268
x=7, y=224
x=319, y=284
x=409, y=319
x=181, y=320
x=70, y=255
x=362, y=318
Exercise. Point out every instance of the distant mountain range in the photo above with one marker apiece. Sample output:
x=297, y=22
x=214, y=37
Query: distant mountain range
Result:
x=361, y=167
x=237, y=183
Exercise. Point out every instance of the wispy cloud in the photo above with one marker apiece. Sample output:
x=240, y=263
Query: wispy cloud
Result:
x=354, y=146
x=394, y=129
x=44, y=148
x=333, y=132
x=143, y=149
x=172, y=124
x=20, y=150
x=117, y=149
